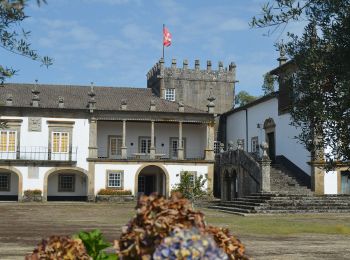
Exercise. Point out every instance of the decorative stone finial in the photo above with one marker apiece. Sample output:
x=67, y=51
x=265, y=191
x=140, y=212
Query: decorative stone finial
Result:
x=282, y=58
x=124, y=104
x=9, y=100
x=60, y=102
x=211, y=105
x=35, y=92
x=92, y=101
x=230, y=145
x=181, y=106
x=265, y=146
x=240, y=144
x=152, y=106
x=222, y=147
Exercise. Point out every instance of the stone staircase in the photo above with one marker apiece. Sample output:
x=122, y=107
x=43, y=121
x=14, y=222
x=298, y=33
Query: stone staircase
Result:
x=288, y=195
x=275, y=203
x=284, y=182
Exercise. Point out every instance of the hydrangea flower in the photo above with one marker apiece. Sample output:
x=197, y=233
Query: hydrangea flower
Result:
x=189, y=244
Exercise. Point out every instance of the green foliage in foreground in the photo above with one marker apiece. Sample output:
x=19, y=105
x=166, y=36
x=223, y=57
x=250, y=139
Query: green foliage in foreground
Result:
x=95, y=243
x=190, y=186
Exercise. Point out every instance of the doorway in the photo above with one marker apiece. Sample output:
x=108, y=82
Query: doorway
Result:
x=150, y=180
x=272, y=147
x=345, y=182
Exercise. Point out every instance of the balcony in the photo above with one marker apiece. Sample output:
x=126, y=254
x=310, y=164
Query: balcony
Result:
x=160, y=155
x=39, y=155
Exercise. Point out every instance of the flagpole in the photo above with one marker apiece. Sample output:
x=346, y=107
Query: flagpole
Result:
x=163, y=40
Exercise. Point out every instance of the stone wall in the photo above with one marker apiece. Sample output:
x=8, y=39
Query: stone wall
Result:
x=194, y=85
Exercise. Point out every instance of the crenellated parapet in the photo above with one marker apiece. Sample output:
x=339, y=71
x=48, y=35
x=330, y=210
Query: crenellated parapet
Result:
x=184, y=72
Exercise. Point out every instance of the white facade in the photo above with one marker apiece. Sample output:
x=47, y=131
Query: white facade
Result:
x=35, y=166
x=246, y=124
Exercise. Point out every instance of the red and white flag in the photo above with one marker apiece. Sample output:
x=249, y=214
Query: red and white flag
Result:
x=166, y=37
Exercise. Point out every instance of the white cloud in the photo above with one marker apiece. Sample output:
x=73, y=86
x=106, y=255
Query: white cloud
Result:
x=233, y=24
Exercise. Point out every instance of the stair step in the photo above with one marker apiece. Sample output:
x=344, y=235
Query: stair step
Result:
x=232, y=209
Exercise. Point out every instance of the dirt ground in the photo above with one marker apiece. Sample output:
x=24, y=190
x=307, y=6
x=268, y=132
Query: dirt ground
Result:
x=23, y=225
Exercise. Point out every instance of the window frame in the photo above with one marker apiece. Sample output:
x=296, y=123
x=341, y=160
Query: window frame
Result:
x=7, y=145
x=170, y=96
x=121, y=180
x=176, y=139
x=68, y=146
x=118, y=151
x=8, y=176
x=254, y=148
x=149, y=144
x=62, y=189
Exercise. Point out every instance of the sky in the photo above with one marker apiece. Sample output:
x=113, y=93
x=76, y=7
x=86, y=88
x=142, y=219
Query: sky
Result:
x=116, y=42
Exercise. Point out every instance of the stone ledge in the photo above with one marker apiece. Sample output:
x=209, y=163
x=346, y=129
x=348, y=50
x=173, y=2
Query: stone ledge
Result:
x=114, y=198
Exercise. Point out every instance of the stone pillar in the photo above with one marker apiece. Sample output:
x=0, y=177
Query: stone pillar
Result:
x=92, y=155
x=265, y=164
x=209, y=150
x=152, y=148
x=180, y=148
x=124, y=148
x=317, y=179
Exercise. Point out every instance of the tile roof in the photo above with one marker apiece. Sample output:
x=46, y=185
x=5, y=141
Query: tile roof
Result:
x=76, y=97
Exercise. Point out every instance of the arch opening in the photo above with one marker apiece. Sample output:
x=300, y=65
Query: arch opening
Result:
x=66, y=185
x=151, y=179
x=10, y=185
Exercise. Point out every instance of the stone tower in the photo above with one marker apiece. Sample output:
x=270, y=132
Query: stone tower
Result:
x=193, y=86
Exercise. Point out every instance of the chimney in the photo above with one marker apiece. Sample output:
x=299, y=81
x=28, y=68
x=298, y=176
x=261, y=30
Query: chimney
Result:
x=35, y=92
x=92, y=101
x=152, y=106
x=124, y=104
x=60, y=102
x=9, y=100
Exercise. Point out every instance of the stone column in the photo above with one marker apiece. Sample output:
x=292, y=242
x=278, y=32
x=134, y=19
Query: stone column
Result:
x=152, y=148
x=124, y=148
x=180, y=148
x=209, y=150
x=265, y=164
x=92, y=155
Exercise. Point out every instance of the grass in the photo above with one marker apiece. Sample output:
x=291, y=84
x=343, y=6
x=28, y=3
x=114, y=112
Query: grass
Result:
x=337, y=224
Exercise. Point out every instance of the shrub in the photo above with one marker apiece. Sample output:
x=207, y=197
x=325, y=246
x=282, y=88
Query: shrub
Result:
x=32, y=193
x=114, y=192
x=191, y=187
x=59, y=247
x=158, y=217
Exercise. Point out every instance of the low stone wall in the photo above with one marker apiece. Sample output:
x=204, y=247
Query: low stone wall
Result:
x=114, y=198
x=34, y=198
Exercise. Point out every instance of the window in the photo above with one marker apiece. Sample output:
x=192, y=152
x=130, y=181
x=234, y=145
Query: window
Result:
x=8, y=141
x=170, y=94
x=192, y=176
x=141, y=184
x=115, y=179
x=115, y=145
x=174, y=145
x=60, y=142
x=217, y=147
x=145, y=145
x=255, y=144
x=5, y=182
x=66, y=182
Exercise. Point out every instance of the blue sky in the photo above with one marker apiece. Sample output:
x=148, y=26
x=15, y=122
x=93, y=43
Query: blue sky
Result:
x=116, y=42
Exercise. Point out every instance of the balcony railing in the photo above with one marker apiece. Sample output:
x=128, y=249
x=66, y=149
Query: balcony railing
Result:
x=160, y=154
x=39, y=153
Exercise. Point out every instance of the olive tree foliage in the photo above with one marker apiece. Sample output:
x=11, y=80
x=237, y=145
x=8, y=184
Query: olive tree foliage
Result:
x=269, y=85
x=321, y=82
x=243, y=97
x=13, y=37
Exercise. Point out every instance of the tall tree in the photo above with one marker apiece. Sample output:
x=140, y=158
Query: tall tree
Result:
x=269, y=84
x=243, y=98
x=13, y=37
x=321, y=82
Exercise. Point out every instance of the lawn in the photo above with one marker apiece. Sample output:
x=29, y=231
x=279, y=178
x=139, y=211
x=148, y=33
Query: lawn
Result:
x=318, y=236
